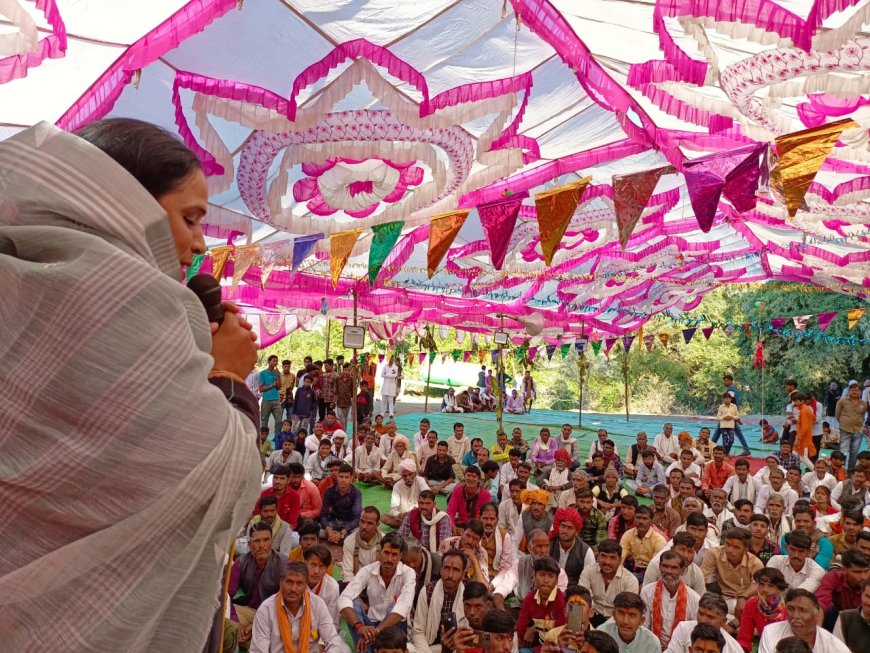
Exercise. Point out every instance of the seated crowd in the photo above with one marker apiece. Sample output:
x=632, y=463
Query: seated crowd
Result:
x=541, y=549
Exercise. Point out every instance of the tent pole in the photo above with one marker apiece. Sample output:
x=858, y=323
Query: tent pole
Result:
x=582, y=365
x=328, y=333
x=625, y=383
x=428, y=378
x=355, y=372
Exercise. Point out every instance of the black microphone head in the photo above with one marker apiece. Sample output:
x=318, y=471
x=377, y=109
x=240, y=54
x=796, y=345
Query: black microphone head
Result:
x=207, y=288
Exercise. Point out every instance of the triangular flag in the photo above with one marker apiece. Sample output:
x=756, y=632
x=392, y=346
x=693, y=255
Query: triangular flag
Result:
x=564, y=349
x=432, y=356
x=195, y=265
x=707, y=176
x=219, y=257
x=551, y=349
x=422, y=357
x=269, y=259
x=381, y=358
x=456, y=354
x=243, y=257
x=626, y=343
x=410, y=358
x=608, y=344
x=383, y=240
x=459, y=334
x=707, y=331
x=341, y=244
x=442, y=232
x=800, y=322
x=554, y=209
x=481, y=355
x=498, y=219
x=648, y=341
x=630, y=195
x=801, y=154
x=728, y=330
x=747, y=329
x=853, y=315
x=302, y=246
x=596, y=347
x=465, y=356
x=521, y=353
x=664, y=337
x=825, y=319
x=776, y=323
x=533, y=352
x=687, y=335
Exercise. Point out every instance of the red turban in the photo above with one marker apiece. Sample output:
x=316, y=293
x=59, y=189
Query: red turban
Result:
x=568, y=515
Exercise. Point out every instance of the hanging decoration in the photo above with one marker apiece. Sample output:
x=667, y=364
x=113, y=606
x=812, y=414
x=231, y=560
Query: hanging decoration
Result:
x=465, y=356
x=498, y=219
x=825, y=319
x=302, y=246
x=800, y=322
x=383, y=241
x=630, y=195
x=608, y=344
x=799, y=157
x=341, y=244
x=627, y=342
x=219, y=257
x=648, y=341
x=421, y=356
x=777, y=323
x=664, y=338
x=596, y=347
x=687, y=335
x=195, y=265
x=854, y=315
x=759, y=361
x=243, y=257
x=564, y=349
x=554, y=210
x=707, y=331
x=442, y=232
x=551, y=349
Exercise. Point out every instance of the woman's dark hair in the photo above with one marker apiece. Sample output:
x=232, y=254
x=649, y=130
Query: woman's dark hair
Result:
x=156, y=159
x=601, y=641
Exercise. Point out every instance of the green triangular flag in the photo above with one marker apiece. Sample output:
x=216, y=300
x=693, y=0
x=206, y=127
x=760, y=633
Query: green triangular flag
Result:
x=383, y=241
x=456, y=353
x=564, y=349
x=193, y=270
x=521, y=353
x=432, y=355
x=596, y=347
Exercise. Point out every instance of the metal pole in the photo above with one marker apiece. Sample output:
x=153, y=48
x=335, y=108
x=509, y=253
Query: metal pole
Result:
x=428, y=378
x=355, y=371
x=581, y=364
x=625, y=382
x=328, y=333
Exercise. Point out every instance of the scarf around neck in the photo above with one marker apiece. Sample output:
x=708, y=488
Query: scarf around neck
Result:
x=772, y=610
x=437, y=516
x=285, y=629
x=361, y=545
x=679, y=611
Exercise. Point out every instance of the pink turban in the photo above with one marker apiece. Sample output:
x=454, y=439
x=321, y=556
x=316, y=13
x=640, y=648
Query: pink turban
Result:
x=400, y=438
x=407, y=465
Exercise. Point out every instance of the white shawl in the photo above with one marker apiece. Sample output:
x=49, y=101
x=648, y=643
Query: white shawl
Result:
x=437, y=516
x=105, y=357
x=425, y=630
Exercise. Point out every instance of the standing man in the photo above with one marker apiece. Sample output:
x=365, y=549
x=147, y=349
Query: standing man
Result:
x=270, y=382
x=850, y=415
x=285, y=389
x=731, y=389
x=344, y=396
x=390, y=386
x=328, y=387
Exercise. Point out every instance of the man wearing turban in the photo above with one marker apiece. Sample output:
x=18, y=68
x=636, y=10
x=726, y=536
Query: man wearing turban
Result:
x=535, y=515
x=401, y=451
x=406, y=492
x=566, y=546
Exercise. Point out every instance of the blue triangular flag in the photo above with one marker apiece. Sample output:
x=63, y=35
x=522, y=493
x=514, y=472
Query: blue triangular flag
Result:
x=302, y=246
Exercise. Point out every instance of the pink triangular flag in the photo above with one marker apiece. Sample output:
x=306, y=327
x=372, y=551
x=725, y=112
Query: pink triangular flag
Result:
x=381, y=358
x=630, y=195
x=422, y=357
x=707, y=331
x=498, y=219
x=608, y=344
x=800, y=322
x=465, y=356
x=533, y=351
x=825, y=319
x=776, y=323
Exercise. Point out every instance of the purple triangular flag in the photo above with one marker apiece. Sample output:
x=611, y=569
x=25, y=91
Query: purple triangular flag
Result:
x=626, y=343
x=302, y=246
x=707, y=331
x=498, y=219
x=551, y=349
x=825, y=319
x=687, y=335
x=776, y=323
x=422, y=357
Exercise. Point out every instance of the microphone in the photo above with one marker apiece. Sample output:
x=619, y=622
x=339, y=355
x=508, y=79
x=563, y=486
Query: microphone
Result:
x=207, y=288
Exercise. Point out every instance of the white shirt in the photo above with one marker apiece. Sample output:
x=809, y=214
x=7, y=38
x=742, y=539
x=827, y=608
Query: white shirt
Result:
x=329, y=592
x=681, y=639
x=736, y=490
x=666, y=446
x=366, y=461
x=721, y=518
x=602, y=597
x=596, y=447
x=381, y=604
x=404, y=498
x=773, y=633
x=419, y=439
x=692, y=576
x=266, y=638
x=669, y=607
x=693, y=468
x=762, y=476
x=506, y=474
x=508, y=516
x=785, y=492
x=809, y=578
x=812, y=481
x=388, y=380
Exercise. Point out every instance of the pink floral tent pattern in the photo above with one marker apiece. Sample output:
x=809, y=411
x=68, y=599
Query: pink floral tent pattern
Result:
x=313, y=117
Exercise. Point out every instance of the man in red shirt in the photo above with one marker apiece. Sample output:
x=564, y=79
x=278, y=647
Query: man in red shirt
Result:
x=841, y=590
x=716, y=472
x=288, y=498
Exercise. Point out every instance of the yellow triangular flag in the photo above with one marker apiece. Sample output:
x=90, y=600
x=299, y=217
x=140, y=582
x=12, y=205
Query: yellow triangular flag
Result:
x=801, y=154
x=219, y=257
x=243, y=257
x=555, y=208
x=340, y=246
x=442, y=231
x=853, y=315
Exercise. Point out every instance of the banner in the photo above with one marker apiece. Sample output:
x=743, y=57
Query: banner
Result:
x=442, y=232
x=195, y=265
x=800, y=155
x=341, y=244
x=630, y=195
x=498, y=220
x=385, y=237
x=555, y=208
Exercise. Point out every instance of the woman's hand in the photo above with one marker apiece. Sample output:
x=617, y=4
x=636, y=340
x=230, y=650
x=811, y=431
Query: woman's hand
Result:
x=233, y=343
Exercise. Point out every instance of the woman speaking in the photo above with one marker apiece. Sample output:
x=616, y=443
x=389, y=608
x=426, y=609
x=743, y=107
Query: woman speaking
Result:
x=127, y=434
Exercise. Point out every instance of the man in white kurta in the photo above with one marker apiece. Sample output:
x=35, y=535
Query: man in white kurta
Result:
x=425, y=630
x=669, y=589
x=389, y=387
x=667, y=444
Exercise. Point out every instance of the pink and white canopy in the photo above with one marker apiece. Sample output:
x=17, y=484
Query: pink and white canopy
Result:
x=321, y=116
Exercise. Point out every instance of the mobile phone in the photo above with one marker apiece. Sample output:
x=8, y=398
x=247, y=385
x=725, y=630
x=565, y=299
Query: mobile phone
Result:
x=449, y=621
x=481, y=640
x=576, y=617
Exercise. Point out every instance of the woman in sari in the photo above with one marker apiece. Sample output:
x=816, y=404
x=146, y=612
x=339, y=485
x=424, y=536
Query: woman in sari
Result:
x=110, y=363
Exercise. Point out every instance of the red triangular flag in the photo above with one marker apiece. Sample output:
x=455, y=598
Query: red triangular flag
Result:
x=707, y=331
x=825, y=319
x=498, y=220
x=608, y=344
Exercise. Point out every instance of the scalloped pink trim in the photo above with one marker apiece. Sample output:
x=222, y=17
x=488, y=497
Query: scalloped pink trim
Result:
x=53, y=46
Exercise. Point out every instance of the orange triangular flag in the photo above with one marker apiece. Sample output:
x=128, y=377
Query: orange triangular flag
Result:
x=854, y=315
x=219, y=257
x=555, y=209
x=243, y=258
x=664, y=337
x=800, y=155
x=442, y=230
x=340, y=246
